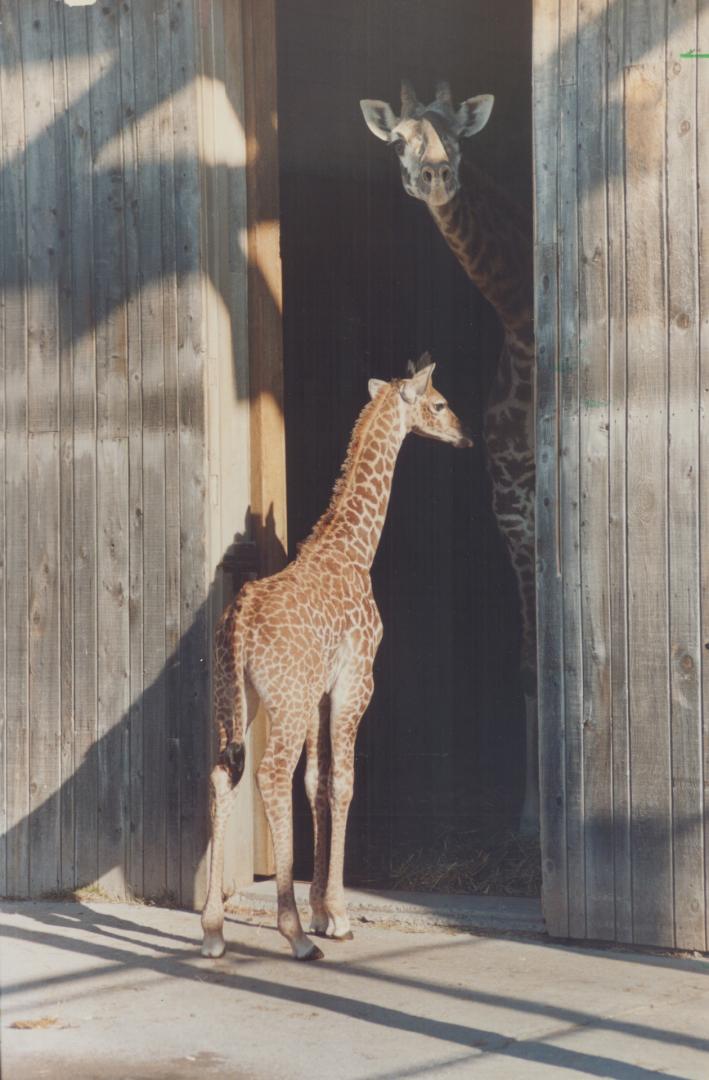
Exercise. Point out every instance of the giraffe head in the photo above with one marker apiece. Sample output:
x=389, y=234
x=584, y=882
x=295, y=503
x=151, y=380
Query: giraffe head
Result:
x=424, y=411
x=426, y=138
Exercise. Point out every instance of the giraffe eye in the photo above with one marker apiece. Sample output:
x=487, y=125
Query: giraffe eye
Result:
x=439, y=406
x=400, y=146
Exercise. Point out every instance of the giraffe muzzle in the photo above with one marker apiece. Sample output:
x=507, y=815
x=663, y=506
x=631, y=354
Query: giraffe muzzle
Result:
x=439, y=173
x=437, y=182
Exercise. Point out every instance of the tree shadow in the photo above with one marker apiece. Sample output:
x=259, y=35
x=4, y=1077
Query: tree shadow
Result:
x=357, y=1005
x=132, y=197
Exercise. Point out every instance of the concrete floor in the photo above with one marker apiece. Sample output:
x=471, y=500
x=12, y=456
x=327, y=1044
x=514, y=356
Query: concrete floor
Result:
x=132, y=999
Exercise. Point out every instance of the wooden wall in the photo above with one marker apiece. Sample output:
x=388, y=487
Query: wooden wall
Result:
x=622, y=269
x=125, y=446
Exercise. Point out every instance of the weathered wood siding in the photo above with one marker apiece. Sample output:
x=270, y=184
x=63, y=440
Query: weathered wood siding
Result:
x=621, y=270
x=125, y=432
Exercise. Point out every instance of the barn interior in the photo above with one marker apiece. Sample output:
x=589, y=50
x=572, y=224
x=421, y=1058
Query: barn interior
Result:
x=368, y=284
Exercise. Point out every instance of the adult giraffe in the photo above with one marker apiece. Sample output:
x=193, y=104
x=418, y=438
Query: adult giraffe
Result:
x=491, y=238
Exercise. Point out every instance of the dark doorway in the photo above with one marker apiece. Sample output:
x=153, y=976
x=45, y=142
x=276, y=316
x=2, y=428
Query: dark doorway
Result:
x=369, y=283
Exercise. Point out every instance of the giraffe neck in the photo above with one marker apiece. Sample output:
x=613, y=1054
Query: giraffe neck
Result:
x=352, y=524
x=491, y=239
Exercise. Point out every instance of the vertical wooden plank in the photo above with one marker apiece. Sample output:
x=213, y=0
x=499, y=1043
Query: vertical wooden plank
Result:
x=545, y=96
x=44, y=684
x=16, y=606
x=4, y=730
x=593, y=472
x=223, y=152
x=109, y=271
x=42, y=222
x=216, y=147
x=268, y=487
x=131, y=187
x=43, y=419
x=111, y=453
x=265, y=276
x=3, y=623
x=170, y=750
x=617, y=531
x=113, y=650
x=66, y=448
x=568, y=554
x=16, y=599
x=151, y=116
x=235, y=449
x=193, y=697
x=648, y=671
x=236, y=371
x=3, y=631
x=81, y=245
x=683, y=482
x=702, y=150
x=211, y=94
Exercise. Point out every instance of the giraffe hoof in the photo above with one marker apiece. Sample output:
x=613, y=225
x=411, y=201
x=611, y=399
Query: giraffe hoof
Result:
x=312, y=954
x=347, y=936
x=213, y=945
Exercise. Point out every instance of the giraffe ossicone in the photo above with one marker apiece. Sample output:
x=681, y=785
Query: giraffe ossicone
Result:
x=491, y=237
x=303, y=642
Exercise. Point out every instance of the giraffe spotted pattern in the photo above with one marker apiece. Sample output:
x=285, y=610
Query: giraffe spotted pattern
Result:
x=304, y=642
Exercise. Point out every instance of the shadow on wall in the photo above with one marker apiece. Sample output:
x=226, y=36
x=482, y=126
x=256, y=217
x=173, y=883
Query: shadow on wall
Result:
x=127, y=189
x=104, y=249
x=161, y=813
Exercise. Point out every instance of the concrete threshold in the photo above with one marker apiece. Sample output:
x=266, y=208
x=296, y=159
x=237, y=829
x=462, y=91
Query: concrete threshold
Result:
x=416, y=910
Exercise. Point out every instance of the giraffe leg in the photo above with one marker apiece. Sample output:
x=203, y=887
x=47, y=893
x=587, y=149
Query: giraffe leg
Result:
x=235, y=704
x=350, y=698
x=509, y=442
x=317, y=772
x=275, y=781
x=521, y=547
x=222, y=799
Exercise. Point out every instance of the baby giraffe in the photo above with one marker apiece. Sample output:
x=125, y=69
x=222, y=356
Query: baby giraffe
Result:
x=304, y=642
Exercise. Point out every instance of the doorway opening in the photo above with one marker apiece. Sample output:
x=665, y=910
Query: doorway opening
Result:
x=368, y=284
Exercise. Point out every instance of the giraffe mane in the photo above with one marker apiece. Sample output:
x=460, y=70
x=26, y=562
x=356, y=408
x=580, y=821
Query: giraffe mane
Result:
x=362, y=425
x=501, y=206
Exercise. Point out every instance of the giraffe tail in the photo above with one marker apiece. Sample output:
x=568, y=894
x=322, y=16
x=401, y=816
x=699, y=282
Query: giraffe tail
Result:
x=230, y=706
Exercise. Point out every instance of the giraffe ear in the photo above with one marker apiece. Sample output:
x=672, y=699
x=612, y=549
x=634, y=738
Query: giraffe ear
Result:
x=473, y=115
x=417, y=386
x=379, y=118
x=375, y=386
